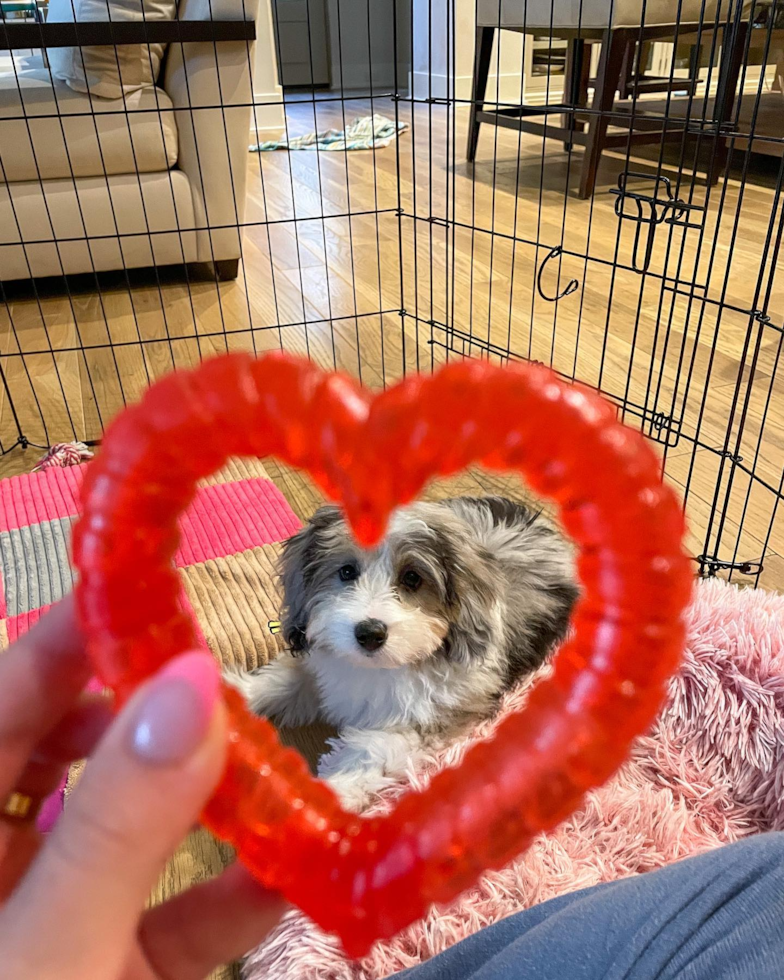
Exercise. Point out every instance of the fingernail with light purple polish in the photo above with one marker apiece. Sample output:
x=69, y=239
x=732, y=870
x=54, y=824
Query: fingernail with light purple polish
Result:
x=174, y=715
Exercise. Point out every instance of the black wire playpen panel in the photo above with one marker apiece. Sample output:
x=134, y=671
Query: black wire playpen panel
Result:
x=593, y=185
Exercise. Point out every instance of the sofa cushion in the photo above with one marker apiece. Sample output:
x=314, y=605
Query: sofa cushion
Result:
x=51, y=131
x=109, y=71
x=96, y=223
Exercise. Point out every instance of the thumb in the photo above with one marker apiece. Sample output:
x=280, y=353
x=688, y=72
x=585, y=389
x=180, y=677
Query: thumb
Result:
x=139, y=796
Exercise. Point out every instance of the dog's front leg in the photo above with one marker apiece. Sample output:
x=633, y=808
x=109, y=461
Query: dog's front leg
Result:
x=283, y=690
x=362, y=762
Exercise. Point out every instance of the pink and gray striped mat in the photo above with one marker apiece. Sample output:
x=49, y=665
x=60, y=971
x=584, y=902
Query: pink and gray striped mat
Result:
x=227, y=556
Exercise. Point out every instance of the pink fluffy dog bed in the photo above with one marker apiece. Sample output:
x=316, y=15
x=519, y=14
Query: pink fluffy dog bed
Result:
x=711, y=771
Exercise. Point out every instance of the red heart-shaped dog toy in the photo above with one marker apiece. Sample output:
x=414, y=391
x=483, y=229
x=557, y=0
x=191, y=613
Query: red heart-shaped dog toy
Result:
x=367, y=878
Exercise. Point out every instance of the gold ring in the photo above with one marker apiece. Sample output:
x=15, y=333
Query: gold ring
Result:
x=20, y=807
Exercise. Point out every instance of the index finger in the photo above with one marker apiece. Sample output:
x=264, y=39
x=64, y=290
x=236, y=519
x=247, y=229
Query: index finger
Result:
x=41, y=676
x=212, y=923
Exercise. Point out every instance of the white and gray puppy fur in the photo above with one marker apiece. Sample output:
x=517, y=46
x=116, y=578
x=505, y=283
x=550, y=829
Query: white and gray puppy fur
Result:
x=401, y=646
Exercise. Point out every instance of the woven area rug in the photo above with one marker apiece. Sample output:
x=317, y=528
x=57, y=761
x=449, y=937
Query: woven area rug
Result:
x=230, y=541
x=711, y=771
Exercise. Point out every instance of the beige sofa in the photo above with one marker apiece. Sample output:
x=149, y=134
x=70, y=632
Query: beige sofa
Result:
x=154, y=177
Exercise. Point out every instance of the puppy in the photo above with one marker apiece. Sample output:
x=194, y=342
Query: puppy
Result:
x=401, y=646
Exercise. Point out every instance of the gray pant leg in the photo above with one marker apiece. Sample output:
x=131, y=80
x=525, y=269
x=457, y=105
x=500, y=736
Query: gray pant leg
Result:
x=718, y=916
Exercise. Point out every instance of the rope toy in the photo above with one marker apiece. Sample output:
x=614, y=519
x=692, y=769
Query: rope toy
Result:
x=367, y=878
x=63, y=454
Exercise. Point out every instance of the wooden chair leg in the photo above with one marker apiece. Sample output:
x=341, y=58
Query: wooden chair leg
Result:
x=733, y=50
x=614, y=44
x=482, y=52
x=628, y=69
x=778, y=79
x=578, y=66
x=695, y=53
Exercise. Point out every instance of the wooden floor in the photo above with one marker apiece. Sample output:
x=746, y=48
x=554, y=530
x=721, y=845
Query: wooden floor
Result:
x=677, y=346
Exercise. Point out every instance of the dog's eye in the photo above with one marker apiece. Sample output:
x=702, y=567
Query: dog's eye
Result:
x=348, y=573
x=411, y=579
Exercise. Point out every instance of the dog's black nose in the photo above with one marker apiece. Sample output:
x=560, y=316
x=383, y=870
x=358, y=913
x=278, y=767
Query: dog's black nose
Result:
x=371, y=634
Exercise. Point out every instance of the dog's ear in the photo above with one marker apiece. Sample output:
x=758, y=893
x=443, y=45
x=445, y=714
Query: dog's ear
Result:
x=296, y=564
x=470, y=597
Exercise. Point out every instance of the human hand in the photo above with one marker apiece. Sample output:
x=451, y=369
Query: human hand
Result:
x=72, y=904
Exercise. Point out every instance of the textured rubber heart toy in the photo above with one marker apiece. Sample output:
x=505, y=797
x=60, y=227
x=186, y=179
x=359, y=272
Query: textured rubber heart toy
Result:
x=367, y=878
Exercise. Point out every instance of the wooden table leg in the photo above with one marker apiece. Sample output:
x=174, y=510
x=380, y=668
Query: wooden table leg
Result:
x=482, y=52
x=733, y=51
x=578, y=66
x=614, y=43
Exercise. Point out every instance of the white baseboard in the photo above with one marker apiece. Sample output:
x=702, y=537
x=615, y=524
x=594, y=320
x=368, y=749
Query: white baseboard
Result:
x=426, y=85
x=267, y=113
x=431, y=84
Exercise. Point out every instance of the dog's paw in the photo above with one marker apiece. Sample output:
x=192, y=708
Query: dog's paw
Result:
x=352, y=795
